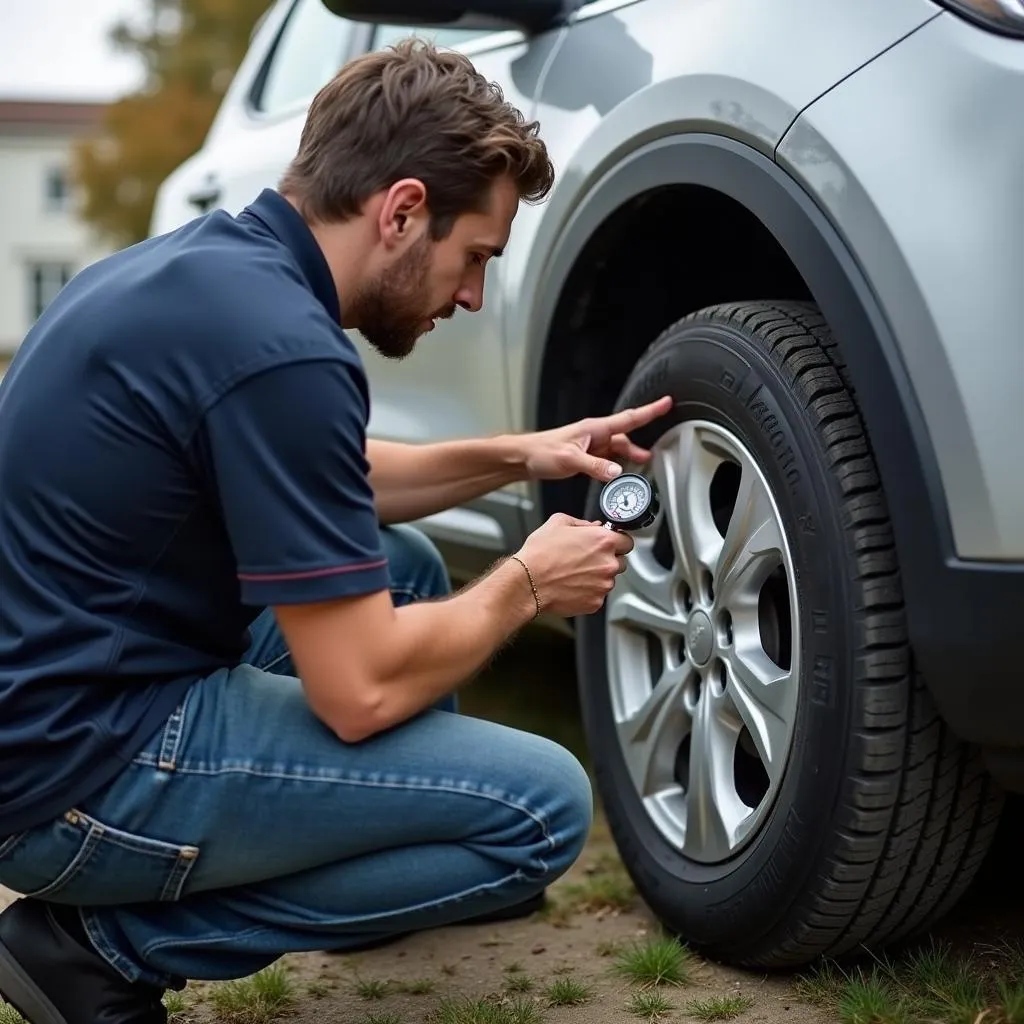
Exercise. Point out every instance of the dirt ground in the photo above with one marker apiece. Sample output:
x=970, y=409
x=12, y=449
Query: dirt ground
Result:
x=474, y=962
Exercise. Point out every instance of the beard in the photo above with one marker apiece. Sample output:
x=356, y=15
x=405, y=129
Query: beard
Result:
x=391, y=310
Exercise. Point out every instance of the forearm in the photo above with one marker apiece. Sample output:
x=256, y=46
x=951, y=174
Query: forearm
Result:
x=413, y=481
x=424, y=652
x=441, y=645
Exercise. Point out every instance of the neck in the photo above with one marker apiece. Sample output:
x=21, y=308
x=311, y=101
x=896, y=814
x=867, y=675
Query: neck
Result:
x=344, y=246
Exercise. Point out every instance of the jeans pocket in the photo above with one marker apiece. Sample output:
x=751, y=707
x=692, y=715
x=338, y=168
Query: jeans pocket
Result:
x=80, y=860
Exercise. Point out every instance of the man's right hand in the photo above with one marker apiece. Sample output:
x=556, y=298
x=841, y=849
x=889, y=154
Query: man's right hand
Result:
x=574, y=564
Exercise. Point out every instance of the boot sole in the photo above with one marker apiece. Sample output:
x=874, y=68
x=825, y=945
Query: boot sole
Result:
x=21, y=992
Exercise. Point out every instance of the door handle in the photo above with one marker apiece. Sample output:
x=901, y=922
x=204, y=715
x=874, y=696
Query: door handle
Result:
x=205, y=196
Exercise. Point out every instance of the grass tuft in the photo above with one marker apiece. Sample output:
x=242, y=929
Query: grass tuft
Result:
x=383, y=1018
x=716, y=1008
x=870, y=999
x=931, y=985
x=174, y=1002
x=822, y=985
x=255, y=1000
x=649, y=1004
x=1010, y=1002
x=372, y=988
x=490, y=1010
x=659, y=961
x=518, y=983
x=567, y=992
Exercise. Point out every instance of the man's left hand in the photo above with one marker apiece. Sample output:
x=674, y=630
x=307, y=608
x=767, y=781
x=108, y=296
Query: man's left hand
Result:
x=595, y=447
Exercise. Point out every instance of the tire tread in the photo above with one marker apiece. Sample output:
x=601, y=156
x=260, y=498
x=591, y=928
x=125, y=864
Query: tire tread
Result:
x=917, y=811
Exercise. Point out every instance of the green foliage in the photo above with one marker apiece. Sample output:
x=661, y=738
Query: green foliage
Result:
x=189, y=51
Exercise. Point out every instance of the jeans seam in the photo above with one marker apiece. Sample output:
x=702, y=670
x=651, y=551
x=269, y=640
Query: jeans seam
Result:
x=516, y=876
x=105, y=948
x=464, y=790
x=283, y=656
x=93, y=836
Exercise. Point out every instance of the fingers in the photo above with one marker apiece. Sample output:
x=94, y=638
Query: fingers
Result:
x=622, y=543
x=622, y=446
x=602, y=469
x=562, y=519
x=631, y=419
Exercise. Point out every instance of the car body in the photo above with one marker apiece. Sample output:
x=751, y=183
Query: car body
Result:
x=847, y=168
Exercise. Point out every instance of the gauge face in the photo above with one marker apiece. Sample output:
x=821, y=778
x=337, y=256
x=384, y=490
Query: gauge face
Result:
x=626, y=498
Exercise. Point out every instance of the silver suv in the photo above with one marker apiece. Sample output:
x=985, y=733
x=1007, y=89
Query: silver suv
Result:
x=803, y=218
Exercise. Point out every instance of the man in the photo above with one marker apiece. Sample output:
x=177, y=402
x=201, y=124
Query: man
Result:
x=226, y=673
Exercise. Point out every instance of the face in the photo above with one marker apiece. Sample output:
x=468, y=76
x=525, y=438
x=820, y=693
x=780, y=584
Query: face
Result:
x=421, y=281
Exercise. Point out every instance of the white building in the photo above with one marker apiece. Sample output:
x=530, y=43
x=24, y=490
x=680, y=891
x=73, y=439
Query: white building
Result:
x=43, y=241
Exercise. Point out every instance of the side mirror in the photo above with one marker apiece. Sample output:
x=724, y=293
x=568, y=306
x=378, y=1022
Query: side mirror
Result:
x=478, y=15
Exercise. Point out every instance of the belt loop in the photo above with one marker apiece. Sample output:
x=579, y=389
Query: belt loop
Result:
x=171, y=742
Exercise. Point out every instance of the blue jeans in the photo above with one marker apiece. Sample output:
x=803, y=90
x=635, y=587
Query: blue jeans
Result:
x=246, y=829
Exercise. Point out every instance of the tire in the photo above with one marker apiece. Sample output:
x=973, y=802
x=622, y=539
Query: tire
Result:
x=878, y=817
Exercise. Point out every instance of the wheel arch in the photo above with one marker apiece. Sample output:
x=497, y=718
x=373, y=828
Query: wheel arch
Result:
x=833, y=279
x=830, y=272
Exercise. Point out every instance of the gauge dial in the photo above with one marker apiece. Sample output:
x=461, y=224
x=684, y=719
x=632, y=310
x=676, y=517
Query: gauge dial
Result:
x=627, y=501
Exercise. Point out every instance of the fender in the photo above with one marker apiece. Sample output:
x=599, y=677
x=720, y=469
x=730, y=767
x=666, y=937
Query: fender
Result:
x=967, y=664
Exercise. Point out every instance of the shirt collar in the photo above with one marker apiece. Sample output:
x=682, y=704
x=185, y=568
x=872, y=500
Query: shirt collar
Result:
x=287, y=225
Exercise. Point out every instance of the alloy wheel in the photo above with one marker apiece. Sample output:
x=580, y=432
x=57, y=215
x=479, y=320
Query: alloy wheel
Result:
x=703, y=635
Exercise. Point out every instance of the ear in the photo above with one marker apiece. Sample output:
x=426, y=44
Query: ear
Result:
x=403, y=214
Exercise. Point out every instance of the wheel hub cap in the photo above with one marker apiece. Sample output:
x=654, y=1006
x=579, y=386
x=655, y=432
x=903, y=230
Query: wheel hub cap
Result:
x=703, y=646
x=701, y=642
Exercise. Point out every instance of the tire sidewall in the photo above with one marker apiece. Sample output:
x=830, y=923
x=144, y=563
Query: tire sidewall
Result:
x=723, y=374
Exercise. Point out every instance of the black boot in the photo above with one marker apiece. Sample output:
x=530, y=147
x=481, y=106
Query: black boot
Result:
x=50, y=975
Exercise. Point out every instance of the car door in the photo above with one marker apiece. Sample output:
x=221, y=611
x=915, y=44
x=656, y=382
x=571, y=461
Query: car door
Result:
x=298, y=47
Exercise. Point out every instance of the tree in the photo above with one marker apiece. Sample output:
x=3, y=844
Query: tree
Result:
x=189, y=50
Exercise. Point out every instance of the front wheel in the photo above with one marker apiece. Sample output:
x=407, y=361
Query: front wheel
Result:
x=777, y=781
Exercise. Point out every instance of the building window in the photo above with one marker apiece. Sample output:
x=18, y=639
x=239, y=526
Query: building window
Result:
x=45, y=280
x=56, y=190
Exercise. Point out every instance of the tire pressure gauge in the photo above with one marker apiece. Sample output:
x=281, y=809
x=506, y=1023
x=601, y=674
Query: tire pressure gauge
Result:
x=628, y=503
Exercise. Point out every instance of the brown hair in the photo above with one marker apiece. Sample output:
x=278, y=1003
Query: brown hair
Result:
x=413, y=111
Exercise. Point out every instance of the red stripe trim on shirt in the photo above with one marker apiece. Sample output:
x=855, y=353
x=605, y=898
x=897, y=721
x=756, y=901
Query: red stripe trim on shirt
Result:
x=259, y=577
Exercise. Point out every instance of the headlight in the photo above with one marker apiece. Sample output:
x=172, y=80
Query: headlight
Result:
x=1005, y=16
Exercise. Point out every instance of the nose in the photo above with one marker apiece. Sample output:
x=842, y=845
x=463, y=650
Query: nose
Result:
x=471, y=297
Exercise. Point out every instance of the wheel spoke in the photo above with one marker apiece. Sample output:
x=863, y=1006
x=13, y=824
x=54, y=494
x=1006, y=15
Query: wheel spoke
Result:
x=629, y=609
x=683, y=473
x=753, y=542
x=762, y=694
x=714, y=811
x=651, y=736
x=649, y=581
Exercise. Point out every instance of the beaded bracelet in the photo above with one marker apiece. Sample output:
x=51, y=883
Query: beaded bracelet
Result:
x=533, y=585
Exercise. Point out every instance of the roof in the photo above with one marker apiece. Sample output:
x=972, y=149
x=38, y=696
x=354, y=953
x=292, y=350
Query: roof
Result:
x=48, y=117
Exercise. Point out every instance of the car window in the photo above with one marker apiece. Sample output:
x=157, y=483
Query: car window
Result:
x=311, y=48
x=450, y=38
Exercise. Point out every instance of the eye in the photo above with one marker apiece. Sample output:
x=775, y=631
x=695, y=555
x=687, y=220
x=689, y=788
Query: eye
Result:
x=478, y=258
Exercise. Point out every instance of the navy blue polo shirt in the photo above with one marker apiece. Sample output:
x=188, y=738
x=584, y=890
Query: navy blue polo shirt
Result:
x=182, y=443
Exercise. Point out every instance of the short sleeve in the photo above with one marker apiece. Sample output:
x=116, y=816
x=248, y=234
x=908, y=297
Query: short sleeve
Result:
x=286, y=451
